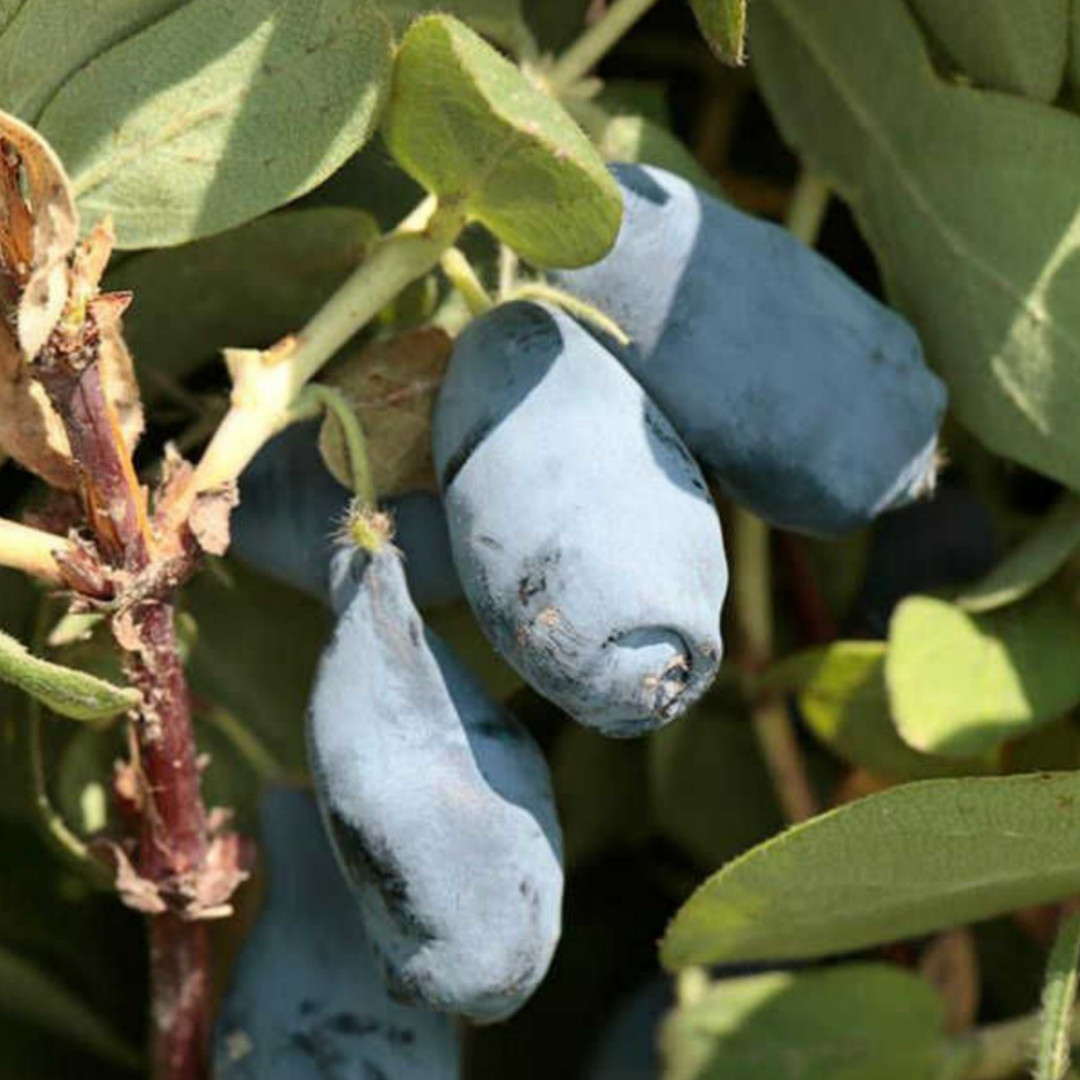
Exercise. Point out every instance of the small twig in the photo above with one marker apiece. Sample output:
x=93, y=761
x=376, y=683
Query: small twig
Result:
x=316, y=398
x=31, y=550
x=595, y=43
x=806, y=210
x=508, y=270
x=267, y=384
x=463, y=277
x=752, y=586
x=580, y=309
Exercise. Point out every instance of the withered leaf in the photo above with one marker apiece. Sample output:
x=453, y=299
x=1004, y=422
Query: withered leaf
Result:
x=55, y=229
x=37, y=234
x=391, y=386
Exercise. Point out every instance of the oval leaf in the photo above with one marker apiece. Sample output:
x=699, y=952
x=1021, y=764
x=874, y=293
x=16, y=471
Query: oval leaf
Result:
x=1033, y=562
x=962, y=683
x=219, y=112
x=39, y=50
x=723, y=25
x=1015, y=45
x=70, y=693
x=988, y=281
x=842, y=698
x=911, y=860
x=856, y=1022
x=470, y=127
x=253, y=284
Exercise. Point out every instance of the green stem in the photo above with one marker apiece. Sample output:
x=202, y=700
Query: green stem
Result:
x=31, y=550
x=1059, y=998
x=508, y=270
x=326, y=398
x=267, y=384
x=464, y=278
x=752, y=588
x=752, y=585
x=806, y=211
x=551, y=294
x=595, y=43
x=64, y=841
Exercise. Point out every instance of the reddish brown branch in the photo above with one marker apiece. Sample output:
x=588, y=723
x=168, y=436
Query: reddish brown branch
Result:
x=173, y=843
x=180, y=962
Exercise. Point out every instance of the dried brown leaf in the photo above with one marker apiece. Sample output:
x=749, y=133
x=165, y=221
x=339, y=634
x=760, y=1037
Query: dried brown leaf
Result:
x=135, y=891
x=55, y=232
x=209, y=518
x=117, y=368
x=30, y=430
x=36, y=237
x=391, y=385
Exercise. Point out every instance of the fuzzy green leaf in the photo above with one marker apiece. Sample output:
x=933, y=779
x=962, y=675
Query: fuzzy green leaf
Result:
x=856, y=1022
x=723, y=25
x=219, y=112
x=968, y=200
x=70, y=693
x=471, y=128
x=911, y=860
x=1034, y=561
x=1014, y=45
x=40, y=47
x=962, y=684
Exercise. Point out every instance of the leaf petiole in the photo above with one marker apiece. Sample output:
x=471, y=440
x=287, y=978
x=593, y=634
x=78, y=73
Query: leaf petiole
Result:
x=31, y=550
x=316, y=398
x=595, y=43
x=266, y=384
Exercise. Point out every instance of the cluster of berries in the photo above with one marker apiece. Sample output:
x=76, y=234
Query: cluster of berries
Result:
x=576, y=518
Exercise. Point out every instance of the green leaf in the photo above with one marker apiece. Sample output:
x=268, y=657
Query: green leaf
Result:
x=1042, y=553
x=855, y=1022
x=1014, y=45
x=470, y=127
x=36, y=998
x=500, y=20
x=914, y=859
x=843, y=700
x=989, y=280
x=251, y=286
x=218, y=113
x=723, y=25
x=962, y=683
x=70, y=693
x=40, y=47
x=1058, y=1001
x=710, y=790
